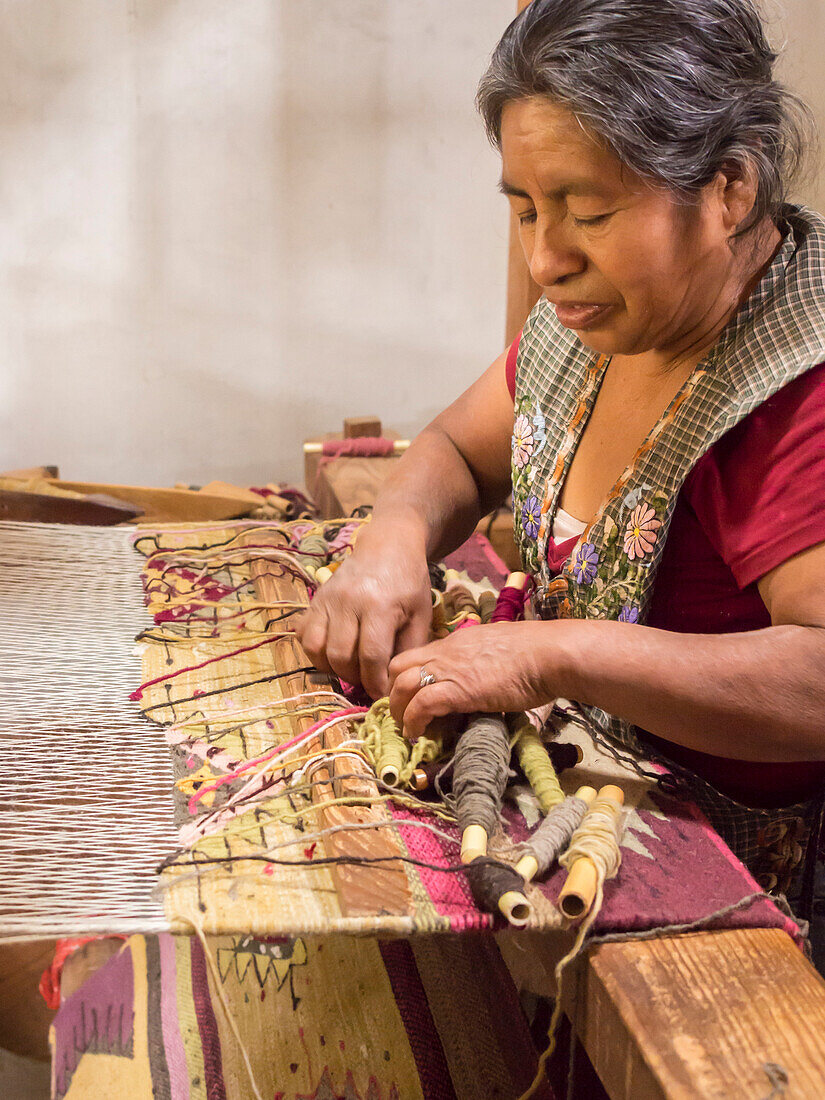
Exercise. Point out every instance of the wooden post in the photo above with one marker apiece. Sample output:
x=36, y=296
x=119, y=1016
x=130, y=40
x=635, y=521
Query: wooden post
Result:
x=522, y=292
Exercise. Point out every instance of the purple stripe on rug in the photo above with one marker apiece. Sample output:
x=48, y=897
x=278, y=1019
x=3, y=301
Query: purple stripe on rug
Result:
x=98, y=1018
x=170, y=1024
x=207, y=1026
x=422, y=1035
x=155, y=1046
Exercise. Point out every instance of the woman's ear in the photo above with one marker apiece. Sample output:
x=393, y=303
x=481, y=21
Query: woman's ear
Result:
x=737, y=188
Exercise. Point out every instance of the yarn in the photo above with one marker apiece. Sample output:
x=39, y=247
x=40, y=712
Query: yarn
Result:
x=490, y=880
x=359, y=447
x=388, y=749
x=563, y=755
x=395, y=760
x=480, y=769
x=509, y=605
x=535, y=763
x=486, y=606
x=312, y=552
x=597, y=839
x=554, y=833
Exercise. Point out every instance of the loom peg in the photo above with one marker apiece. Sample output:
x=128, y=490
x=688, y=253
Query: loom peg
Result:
x=580, y=887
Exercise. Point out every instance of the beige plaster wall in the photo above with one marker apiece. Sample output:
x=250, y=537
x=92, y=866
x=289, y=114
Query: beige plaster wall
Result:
x=226, y=224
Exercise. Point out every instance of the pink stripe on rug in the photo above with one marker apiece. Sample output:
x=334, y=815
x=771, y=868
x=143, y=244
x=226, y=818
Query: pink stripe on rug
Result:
x=172, y=1040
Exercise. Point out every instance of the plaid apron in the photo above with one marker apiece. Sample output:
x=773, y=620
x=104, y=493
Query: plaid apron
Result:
x=777, y=335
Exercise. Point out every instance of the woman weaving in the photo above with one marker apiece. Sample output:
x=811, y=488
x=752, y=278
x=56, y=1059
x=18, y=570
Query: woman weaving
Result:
x=660, y=421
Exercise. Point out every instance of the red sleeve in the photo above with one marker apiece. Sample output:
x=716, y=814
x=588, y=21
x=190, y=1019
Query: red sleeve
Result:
x=510, y=367
x=759, y=492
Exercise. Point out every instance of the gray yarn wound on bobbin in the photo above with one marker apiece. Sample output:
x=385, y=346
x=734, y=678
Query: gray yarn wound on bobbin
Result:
x=554, y=833
x=481, y=766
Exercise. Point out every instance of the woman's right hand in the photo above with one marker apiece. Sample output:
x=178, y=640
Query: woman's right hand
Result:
x=377, y=604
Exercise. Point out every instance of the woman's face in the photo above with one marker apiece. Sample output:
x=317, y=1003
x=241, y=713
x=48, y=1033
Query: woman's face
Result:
x=627, y=267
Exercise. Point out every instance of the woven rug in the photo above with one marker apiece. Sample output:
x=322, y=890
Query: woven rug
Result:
x=337, y=1018
x=208, y=668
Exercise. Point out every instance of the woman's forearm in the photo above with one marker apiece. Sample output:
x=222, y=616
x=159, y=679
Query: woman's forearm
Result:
x=431, y=496
x=756, y=696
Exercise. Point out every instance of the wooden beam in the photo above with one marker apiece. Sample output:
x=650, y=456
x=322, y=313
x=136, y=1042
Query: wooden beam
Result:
x=522, y=292
x=706, y=1014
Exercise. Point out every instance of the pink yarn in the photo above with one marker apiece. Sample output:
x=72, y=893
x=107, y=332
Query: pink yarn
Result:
x=361, y=447
x=219, y=782
x=509, y=605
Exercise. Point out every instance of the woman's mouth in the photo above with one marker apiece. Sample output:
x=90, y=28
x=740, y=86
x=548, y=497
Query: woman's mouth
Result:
x=580, y=315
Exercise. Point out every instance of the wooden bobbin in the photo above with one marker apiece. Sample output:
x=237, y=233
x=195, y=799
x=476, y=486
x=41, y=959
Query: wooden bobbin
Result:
x=515, y=907
x=473, y=843
x=389, y=775
x=527, y=865
x=323, y=574
x=315, y=448
x=517, y=580
x=579, y=889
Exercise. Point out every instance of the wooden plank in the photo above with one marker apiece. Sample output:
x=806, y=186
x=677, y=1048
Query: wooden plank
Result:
x=702, y=1015
x=166, y=505
x=25, y=507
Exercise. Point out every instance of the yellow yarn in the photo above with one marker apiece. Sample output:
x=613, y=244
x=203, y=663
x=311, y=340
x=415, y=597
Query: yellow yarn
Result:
x=536, y=764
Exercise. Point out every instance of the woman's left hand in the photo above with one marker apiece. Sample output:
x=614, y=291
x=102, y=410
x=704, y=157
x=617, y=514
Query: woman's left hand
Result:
x=495, y=667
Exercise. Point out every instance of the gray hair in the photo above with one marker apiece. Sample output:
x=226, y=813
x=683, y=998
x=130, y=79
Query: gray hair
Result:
x=677, y=89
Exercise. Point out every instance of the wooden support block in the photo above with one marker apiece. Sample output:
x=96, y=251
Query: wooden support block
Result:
x=24, y=1017
x=682, y=1017
x=344, y=484
x=357, y=427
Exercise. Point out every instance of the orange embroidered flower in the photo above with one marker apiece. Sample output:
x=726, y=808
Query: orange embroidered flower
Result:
x=640, y=535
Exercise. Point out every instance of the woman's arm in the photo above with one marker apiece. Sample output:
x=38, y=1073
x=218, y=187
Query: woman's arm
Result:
x=758, y=695
x=378, y=603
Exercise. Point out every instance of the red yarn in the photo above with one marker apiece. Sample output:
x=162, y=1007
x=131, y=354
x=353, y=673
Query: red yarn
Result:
x=138, y=694
x=509, y=605
x=361, y=447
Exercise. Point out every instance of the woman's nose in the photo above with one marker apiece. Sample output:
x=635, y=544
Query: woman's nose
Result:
x=552, y=258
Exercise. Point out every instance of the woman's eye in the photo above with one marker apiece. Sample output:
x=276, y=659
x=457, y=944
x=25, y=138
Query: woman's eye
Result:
x=596, y=219
x=527, y=218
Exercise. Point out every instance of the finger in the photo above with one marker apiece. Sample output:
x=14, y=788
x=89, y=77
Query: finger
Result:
x=410, y=658
x=375, y=650
x=433, y=701
x=404, y=686
x=312, y=633
x=342, y=645
x=415, y=633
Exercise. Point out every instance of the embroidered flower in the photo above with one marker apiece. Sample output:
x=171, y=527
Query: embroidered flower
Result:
x=629, y=614
x=531, y=516
x=585, y=563
x=640, y=534
x=522, y=441
x=539, y=429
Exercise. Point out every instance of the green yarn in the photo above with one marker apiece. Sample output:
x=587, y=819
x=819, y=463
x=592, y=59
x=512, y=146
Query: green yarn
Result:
x=389, y=750
x=535, y=763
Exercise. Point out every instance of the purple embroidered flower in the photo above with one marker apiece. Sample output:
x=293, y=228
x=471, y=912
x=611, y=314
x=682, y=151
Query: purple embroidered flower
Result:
x=629, y=614
x=585, y=563
x=531, y=516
